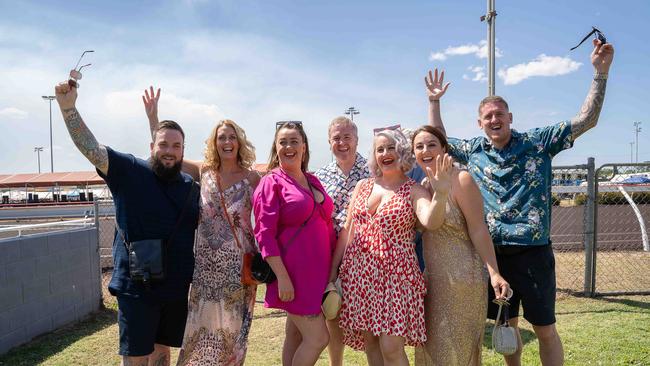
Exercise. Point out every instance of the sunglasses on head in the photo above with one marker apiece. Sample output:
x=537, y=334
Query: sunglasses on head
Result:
x=390, y=128
x=599, y=35
x=281, y=124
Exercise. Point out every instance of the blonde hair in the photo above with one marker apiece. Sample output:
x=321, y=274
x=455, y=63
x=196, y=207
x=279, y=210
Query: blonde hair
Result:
x=245, y=154
x=402, y=148
x=341, y=121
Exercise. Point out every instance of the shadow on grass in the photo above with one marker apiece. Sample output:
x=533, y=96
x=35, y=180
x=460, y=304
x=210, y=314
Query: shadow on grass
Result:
x=526, y=335
x=43, y=347
x=633, y=303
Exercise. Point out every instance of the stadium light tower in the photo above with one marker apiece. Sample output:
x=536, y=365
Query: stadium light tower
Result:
x=351, y=112
x=490, y=18
x=38, y=150
x=50, y=98
x=637, y=129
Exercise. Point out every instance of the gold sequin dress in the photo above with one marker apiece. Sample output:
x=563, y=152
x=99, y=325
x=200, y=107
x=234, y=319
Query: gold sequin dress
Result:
x=456, y=301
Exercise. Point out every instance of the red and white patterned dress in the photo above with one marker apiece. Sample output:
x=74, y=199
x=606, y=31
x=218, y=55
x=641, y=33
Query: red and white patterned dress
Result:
x=383, y=288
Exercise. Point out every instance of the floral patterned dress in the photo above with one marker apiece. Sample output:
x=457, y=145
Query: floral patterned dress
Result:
x=220, y=307
x=383, y=288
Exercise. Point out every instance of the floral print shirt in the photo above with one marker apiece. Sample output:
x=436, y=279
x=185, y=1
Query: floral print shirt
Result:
x=515, y=181
x=340, y=187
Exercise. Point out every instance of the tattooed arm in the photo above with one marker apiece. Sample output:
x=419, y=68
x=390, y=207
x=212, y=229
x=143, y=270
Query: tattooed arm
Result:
x=601, y=58
x=96, y=153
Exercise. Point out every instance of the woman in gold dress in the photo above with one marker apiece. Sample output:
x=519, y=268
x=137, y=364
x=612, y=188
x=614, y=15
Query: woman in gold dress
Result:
x=454, y=255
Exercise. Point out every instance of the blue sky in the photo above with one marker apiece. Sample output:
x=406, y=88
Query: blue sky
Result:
x=261, y=61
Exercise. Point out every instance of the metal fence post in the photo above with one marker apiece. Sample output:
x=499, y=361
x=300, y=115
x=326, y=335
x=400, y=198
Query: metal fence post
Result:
x=590, y=230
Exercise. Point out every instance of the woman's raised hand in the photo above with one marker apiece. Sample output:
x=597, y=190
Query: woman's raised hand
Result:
x=434, y=85
x=440, y=181
x=151, y=102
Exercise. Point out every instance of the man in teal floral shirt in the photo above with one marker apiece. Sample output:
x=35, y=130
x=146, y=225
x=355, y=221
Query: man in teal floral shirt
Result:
x=513, y=171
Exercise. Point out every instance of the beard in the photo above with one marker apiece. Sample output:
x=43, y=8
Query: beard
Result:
x=165, y=173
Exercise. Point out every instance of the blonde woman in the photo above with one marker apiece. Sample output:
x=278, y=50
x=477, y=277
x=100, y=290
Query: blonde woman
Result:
x=220, y=307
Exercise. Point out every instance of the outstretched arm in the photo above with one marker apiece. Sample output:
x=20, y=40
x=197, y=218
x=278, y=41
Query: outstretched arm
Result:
x=435, y=90
x=151, y=108
x=96, y=153
x=601, y=58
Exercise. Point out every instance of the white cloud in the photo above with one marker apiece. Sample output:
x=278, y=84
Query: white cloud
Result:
x=437, y=56
x=479, y=50
x=14, y=113
x=542, y=65
x=479, y=74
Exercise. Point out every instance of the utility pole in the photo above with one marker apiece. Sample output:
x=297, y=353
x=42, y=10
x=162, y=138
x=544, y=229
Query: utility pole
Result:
x=631, y=150
x=637, y=129
x=50, y=98
x=38, y=150
x=490, y=17
x=351, y=112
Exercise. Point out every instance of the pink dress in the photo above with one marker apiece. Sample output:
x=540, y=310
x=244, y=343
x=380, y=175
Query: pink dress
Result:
x=383, y=288
x=281, y=205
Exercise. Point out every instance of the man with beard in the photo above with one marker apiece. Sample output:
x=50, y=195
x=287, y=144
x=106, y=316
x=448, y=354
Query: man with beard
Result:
x=153, y=200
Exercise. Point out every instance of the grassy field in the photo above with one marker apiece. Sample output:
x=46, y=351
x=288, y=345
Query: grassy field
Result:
x=600, y=331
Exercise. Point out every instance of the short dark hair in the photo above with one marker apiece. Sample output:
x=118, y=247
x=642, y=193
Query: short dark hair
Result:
x=434, y=131
x=170, y=125
x=492, y=99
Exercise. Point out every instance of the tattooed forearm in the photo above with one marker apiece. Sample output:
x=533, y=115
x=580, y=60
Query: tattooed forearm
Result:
x=588, y=116
x=84, y=140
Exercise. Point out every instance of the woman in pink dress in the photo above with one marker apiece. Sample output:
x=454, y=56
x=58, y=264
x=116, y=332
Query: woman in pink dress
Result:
x=295, y=234
x=383, y=288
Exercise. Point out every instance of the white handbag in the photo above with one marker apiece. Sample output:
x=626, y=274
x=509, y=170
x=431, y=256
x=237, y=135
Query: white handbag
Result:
x=504, y=337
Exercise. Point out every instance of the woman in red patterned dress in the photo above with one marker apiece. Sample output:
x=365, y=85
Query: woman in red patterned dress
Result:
x=383, y=288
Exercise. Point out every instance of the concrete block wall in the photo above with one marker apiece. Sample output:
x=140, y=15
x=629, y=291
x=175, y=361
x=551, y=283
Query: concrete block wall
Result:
x=46, y=281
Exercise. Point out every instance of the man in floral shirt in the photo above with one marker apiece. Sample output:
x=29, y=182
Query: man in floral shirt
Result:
x=339, y=179
x=513, y=171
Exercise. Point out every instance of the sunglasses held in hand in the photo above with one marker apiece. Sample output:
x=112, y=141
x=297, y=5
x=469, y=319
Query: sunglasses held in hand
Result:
x=599, y=35
x=75, y=74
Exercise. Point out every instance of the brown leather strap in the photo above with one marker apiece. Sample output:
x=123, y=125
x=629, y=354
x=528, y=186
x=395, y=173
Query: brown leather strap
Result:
x=222, y=199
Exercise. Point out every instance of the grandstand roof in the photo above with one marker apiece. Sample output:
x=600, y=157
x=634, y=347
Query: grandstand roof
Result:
x=87, y=178
x=50, y=179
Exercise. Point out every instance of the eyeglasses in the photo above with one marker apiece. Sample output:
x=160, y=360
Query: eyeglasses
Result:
x=599, y=35
x=75, y=74
x=391, y=128
x=281, y=124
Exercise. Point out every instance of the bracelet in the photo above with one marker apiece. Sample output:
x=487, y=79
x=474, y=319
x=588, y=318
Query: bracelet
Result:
x=600, y=76
x=435, y=100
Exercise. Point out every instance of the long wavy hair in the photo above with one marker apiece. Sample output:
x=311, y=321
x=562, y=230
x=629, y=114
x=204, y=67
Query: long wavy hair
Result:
x=245, y=154
x=274, y=161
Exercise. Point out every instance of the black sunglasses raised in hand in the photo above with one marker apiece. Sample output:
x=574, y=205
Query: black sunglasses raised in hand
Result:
x=599, y=35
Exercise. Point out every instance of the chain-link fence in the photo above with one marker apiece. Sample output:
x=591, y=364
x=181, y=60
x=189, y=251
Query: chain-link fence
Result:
x=622, y=258
x=106, y=223
x=568, y=221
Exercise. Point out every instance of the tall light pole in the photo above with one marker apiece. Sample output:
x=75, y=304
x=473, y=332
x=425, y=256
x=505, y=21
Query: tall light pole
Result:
x=490, y=17
x=351, y=112
x=631, y=150
x=637, y=129
x=38, y=150
x=50, y=98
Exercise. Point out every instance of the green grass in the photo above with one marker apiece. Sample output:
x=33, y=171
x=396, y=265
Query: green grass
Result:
x=600, y=331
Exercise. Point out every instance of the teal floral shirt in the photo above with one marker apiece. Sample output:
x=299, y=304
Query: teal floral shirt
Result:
x=515, y=181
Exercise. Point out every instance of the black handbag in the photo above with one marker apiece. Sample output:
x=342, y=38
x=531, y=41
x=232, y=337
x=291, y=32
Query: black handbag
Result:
x=147, y=260
x=148, y=257
x=261, y=270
